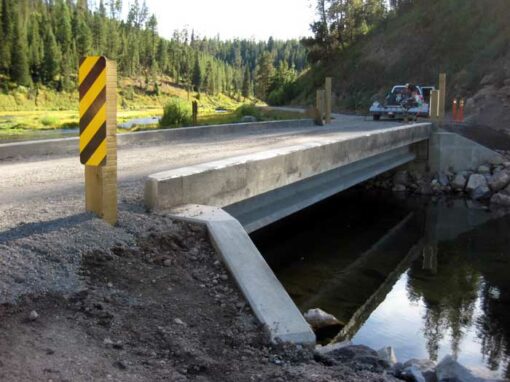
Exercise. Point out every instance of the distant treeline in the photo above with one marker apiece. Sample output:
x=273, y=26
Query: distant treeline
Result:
x=43, y=40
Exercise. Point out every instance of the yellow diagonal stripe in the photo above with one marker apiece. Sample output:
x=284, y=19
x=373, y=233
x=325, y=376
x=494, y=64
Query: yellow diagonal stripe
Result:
x=86, y=67
x=98, y=155
x=92, y=128
x=93, y=92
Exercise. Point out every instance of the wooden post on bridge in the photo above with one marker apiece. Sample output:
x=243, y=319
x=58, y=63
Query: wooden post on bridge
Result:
x=320, y=103
x=434, y=105
x=98, y=135
x=328, y=99
x=442, y=95
x=195, y=113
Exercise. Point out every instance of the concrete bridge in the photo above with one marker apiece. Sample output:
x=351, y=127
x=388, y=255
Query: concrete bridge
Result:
x=247, y=175
x=263, y=187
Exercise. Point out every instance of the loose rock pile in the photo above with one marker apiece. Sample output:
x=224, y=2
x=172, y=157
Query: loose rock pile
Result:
x=489, y=182
x=384, y=361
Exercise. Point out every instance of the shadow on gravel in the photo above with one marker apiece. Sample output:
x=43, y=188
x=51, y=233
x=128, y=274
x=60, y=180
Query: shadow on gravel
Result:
x=27, y=229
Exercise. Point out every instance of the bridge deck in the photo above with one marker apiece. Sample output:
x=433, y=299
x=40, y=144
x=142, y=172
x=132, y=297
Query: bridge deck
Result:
x=51, y=187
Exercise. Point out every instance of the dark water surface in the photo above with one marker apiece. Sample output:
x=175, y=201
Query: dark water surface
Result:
x=429, y=278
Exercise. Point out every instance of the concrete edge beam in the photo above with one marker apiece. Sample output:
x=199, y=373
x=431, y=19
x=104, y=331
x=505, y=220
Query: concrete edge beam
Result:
x=69, y=146
x=268, y=299
x=234, y=179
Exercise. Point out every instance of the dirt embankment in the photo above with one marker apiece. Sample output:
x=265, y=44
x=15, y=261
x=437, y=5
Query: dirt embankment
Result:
x=161, y=308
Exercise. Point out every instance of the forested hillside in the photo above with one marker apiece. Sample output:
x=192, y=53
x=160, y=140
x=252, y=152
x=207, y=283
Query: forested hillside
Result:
x=367, y=47
x=42, y=41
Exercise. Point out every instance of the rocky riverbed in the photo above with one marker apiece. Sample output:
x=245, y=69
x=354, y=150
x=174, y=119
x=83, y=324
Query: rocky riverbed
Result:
x=489, y=183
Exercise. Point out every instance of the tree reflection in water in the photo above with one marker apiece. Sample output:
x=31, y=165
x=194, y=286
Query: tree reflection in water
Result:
x=466, y=275
x=491, y=331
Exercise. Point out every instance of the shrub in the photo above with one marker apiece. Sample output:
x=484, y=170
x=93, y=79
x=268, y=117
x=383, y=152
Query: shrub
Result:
x=248, y=109
x=49, y=121
x=177, y=113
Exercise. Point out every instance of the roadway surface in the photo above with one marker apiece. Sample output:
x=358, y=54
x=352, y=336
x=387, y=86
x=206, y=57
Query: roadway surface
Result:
x=44, y=189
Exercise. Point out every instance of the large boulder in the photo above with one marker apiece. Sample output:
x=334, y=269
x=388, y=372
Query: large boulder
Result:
x=399, y=188
x=412, y=374
x=388, y=354
x=402, y=178
x=475, y=181
x=319, y=319
x=501, y=199
x=484, y=169
x=450, y=370
x=482, y=192
x=425, y=366
x=322, y=350
x=357, y=357
x=459, y=182
x=443, y=180
x=499, y=181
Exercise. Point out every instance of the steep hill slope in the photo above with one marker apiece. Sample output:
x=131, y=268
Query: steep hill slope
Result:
x=467, y=39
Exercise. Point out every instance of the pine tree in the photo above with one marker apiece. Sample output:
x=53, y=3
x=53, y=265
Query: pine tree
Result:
x=83, y=38
x=265, y=70
x=163, y=56
x=19, y=66
x=63, y=32
x=35, y=47
x=6, y=34
x=197, y=75
x=99, y=30
x=246, y=83
x=209, y=79
x=52, y=57
x=151, y=28
x=113, y=42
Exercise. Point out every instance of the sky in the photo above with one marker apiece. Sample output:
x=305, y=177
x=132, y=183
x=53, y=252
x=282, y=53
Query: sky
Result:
x=258, y=19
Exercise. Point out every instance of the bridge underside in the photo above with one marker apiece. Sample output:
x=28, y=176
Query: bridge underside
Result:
x=261, y=210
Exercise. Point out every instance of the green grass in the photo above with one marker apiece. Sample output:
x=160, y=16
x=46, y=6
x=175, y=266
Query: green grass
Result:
x=23, y=112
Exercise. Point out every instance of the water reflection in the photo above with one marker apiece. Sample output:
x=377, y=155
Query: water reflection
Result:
x=428, y=278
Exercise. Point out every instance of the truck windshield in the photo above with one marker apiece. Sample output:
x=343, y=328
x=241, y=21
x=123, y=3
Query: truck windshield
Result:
x=398, y=90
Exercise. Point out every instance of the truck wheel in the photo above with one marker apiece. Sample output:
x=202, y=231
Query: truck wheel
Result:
x=376, y=117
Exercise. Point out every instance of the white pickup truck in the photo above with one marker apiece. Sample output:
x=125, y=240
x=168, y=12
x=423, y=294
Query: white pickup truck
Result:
x=400, y=104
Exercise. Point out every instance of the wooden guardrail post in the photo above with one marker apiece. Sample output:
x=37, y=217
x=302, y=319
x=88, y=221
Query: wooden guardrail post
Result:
x=434, y=105
x=98, y=134
x=328, y=99
x=442, y=95
x=194, y=113
x=320, y=103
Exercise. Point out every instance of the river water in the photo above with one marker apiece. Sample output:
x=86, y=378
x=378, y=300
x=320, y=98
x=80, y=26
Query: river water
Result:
x=428, y=277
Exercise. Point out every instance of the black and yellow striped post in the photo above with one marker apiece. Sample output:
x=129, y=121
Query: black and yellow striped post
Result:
x=98, y=135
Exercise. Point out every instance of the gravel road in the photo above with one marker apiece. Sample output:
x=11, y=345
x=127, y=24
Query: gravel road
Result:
x=41, y=189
